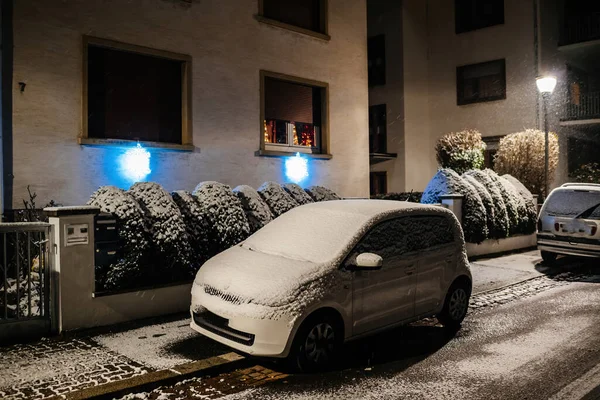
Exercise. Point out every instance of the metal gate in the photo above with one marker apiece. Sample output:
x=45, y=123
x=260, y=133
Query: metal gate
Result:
x=25, y=280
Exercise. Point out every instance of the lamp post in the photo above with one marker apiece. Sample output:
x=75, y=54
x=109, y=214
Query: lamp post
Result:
x=546, y=85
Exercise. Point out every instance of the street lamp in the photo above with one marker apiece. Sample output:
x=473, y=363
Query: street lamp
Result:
x=546, y=85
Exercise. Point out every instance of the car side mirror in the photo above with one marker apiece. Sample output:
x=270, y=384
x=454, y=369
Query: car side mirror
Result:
x=369, y=261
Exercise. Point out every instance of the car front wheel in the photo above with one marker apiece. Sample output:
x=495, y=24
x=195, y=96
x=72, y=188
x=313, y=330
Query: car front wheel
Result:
x=316, y=344
x=456, y=304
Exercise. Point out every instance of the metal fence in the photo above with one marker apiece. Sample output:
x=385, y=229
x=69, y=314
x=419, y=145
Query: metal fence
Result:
x=581, y=29
x=588, y=107
x=25, y=267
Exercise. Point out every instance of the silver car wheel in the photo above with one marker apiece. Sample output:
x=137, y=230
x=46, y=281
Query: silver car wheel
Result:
x=458, y=304
x=320, y=343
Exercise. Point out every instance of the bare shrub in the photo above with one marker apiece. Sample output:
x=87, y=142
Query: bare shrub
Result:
x=460, y=151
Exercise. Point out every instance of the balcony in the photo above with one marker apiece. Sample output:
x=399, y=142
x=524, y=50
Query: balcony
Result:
x=586, y=110
x=581, y=29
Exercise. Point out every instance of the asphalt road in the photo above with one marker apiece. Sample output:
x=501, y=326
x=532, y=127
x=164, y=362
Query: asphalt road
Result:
x=532, y=347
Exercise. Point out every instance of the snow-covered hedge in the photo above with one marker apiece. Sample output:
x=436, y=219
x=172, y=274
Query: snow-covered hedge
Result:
x=256, y=210
x=321, y=193
x=530, y=203
x=446, y=181
x=486, y=199
x=412, y=197
x=223, y=210
x=501, y=221
x=510, y=201
x=297, y=193
x=169, y=234
x=276, y=198
x=196, y=225
x=134, y=239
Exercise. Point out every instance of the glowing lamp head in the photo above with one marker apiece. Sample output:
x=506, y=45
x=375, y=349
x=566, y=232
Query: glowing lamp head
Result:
x=296, y=168
x=135, y=163
x=546, y=84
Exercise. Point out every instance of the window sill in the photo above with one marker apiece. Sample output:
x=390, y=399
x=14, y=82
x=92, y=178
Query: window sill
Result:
x=272, y=153
x=129, y=143
x=293, y=28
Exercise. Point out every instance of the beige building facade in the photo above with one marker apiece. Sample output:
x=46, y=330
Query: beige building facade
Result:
x=226, y=46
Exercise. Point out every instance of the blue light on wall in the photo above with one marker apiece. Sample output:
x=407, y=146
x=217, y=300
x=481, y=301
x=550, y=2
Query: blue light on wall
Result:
x=135, y=164
x=296, y=168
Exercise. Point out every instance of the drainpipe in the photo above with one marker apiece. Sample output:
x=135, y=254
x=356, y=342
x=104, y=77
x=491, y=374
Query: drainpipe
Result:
x=6, y=79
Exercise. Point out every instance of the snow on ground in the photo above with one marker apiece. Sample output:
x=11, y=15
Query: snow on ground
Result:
x=163, y=345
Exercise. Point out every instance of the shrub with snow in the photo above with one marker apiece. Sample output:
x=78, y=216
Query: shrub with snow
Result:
x=510, y=201
x=460, y=151
x=276, y=198
x=196, y=225
x=501, y=221
x=223, y=210
x=297, y=193
x=321, y=193
x=486, y=199
x=255, y=208
x=446, y=181
x=522, y=155
x=169, y=233
x=412, y=197
x=530, y=203
x=134, y=239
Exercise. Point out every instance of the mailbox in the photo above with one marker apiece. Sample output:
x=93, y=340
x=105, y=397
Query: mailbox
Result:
x=76, y=234
x=106, y=240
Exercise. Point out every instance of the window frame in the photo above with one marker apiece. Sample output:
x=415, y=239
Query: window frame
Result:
x=459, y=29
x=274, y=149
x=324, y=21
x=461, y=101
x=186, y=94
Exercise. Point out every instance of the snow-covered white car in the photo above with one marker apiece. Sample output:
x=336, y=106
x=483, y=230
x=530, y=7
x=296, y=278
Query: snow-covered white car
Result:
x=329, y=272
x=569, y=222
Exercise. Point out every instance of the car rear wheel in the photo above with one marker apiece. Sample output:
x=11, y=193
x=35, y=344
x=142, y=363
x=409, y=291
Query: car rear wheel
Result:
x=316, y=344
x=456, y=304
x=548, y=257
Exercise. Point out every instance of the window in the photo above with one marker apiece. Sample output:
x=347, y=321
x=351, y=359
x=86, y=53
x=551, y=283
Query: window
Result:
x=491, y=148
x=376, y=56
x=477, y=14
x=303, y=15
x=583, y=147
x=377, y=129
x=378, y=181
x=135, y=93
x=293, y=114
x=404, y=235
x=481, y=82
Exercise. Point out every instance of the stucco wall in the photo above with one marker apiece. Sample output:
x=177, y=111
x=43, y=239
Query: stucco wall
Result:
x=228, y=48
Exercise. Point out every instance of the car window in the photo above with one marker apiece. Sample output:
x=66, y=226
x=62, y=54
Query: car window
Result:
x=429, y=232
x=570, y=203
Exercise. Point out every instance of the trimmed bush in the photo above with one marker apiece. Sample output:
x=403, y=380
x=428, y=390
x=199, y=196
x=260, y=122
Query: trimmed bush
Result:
x=276, y=198
x=522, y=155
x=223, y=211
x=486, y=199
x=196, y=225
x=530, y=203
x=297, y=193
x=501, y=221
x=446, y=181
x=257, y=211
x=460, y=151
x=510, y=201
x=321, y=193
x=169, y=233
x=134, y=239
x=413, y=197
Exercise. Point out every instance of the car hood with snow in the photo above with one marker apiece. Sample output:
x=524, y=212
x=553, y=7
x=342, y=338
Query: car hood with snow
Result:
x=292, y=261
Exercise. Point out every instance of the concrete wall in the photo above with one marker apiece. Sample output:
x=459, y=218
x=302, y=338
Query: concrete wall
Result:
x=228, y=48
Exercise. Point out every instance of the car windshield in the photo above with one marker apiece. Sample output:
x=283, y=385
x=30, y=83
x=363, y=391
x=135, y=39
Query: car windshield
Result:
x=314, y=235
x=572, y=203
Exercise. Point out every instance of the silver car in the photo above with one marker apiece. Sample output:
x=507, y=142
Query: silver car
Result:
x=329, y=272
x=569, y=222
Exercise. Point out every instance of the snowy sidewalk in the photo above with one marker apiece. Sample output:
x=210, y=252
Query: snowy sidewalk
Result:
x=58, y=366
x=167, y=347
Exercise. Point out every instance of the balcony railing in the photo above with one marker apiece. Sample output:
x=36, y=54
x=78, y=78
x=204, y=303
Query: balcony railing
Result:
x=587, y=107
x=582, y=28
